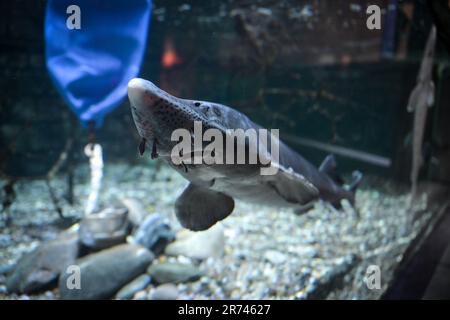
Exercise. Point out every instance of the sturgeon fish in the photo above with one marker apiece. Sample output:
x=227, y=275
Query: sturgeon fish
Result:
x=210, y=195
x=421, y=98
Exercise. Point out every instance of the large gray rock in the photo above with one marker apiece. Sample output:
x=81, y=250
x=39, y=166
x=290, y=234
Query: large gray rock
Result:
x=174, y=273
x=102, y=274
x=136, y=211
x=40, y=268
x=154, y=234
x=134, y=286
x=104, y=229
x=199, y=245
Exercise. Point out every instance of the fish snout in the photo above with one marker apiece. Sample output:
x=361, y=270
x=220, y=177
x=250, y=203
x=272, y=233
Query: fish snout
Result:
x=141, y=100
x=142, y=93
x=155, y=112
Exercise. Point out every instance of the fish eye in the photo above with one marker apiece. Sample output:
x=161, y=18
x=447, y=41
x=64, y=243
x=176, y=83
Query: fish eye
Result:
x=197, y=104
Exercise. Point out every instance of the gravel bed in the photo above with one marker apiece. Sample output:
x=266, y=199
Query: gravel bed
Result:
x=270, y=253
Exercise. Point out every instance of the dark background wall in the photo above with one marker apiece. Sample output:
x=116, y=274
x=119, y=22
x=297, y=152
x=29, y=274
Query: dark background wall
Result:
x=310, y=68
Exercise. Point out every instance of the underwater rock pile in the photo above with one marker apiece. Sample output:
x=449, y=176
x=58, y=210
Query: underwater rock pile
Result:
x=41, y=267
x=139, y=250
x=103, y=274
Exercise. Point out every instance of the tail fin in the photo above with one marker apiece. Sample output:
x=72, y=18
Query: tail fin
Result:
x=329, y=167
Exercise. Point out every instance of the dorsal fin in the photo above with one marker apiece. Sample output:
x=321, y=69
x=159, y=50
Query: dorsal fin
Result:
x=328, y=165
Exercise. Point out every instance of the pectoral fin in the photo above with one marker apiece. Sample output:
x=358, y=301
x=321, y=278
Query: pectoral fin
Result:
x=293, y=187
x=199, y=208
